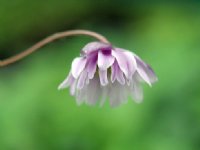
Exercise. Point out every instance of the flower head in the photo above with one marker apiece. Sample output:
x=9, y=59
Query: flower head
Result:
x=106, y=72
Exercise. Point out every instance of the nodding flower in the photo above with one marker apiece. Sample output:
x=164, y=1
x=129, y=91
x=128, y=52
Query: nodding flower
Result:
x=101, y=72
x=107, y=72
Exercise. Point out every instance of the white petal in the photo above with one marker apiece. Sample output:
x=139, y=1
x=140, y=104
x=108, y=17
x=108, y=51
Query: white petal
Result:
x=144, y=75
x=78, y=65
x=105, y=61
x=145, y=71
x=128, y=81
x=131, y=61
x=87, y=80
x=136, y=90
x=68, y=81
x=103, y=77
x=104, y=94
x=81, y=95
x=93, y=92
x=116, y=94
x=73, y=88
x=114, y=69
x=124, y=93
x=120, y=77
x=82, y=80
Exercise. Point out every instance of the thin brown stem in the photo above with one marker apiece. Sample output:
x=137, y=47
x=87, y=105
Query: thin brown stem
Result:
x=50, y=39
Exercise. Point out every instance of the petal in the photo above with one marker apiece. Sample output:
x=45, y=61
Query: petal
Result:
x=105, y=60
x=114, y=68
x=103, y=77
x=116, y=94
x=126, y=61
x=67, y=82
x=116, y=73
x=104, y=95
x=78, y=65
x=93, y=91
x=131, y=63
x=81, y=95
x=136, y=90
x=82, y=79
x=87, y=80
x=94, y=46
x=120, y=77
x=73, y=88
x=145, y=71
x=122, y=61
x=91, y=66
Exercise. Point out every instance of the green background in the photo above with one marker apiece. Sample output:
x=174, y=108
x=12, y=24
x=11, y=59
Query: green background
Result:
x=34, y=115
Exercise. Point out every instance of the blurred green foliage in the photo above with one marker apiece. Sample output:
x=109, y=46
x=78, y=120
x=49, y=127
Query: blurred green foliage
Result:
x=35, y=116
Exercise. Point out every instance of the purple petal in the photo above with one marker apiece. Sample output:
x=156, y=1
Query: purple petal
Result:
x=81, y=80
x=78, y=65
x=120, y=77
x=105, y=60
x=94, y=46
x=126, y=61
x=116, y=73
x=103, y=77
x=91, y=66
x=131, y=63
x=145, y=71
x=68, y=81
x=121, y=59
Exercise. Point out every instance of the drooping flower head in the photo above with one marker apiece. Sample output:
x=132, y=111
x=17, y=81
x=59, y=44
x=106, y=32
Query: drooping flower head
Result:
x=106, y=72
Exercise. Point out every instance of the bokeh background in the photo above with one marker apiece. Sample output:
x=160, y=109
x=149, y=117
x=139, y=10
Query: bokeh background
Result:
x=34, y=115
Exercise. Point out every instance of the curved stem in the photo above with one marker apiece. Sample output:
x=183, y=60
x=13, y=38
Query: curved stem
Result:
x=50, y=39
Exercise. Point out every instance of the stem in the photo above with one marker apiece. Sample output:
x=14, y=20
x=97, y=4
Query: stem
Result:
x=50, y=39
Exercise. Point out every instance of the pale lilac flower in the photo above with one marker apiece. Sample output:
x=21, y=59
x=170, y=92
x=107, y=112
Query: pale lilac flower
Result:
x=106, y=72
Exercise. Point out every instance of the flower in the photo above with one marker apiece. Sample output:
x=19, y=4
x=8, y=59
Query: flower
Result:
x=106, y=72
